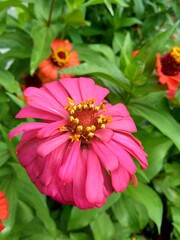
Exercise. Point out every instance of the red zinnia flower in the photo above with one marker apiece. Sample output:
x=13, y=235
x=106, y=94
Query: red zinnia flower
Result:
x=62, y=56
x=82, y=151
x=168, y=70
x=3, y=209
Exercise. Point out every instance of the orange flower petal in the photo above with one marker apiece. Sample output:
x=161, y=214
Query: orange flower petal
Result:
x=64, y=75
x=1, y=226
x=45, y=62
x=3, y=206
x=57, y=43
x=163, y=79
x=172, y=84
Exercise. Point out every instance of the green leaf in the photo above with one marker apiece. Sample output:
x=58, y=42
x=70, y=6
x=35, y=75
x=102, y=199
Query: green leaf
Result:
x=157, y=147
x=19, y=101
x=128, y=21
x=43, y=9
x=31, y=196
x=18, y=41
x=4, y=153
x=143, y=63
x=8, y=82
x=79, y=236
x=4, y=131
x=42, y=36
x=98, y=65
x=139, y=8
x=160, y=118
x=80, y=218
x=109, y=6
x=102, y=227
x=3, y=15
x=130, y=213
x=9, y=184
x=176, y=218
x=150, y=200
x=126, y=51
x=9, y=3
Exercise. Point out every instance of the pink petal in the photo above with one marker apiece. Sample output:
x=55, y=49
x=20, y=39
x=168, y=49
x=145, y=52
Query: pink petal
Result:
x=74, y=91
x=130, y=144
x=94, y=180
x=120, y=179
x=30, y=170
x=68, y=168
x=27, y=153
x=124, y=158
x=38, y=98
x=52, y=143
x=118, y=110
x=45, y=176
x=26, y=127
x=39, y=165
x=51, y=129
x=99, y=94
x=31, y=112
x=106, y=157
x=108, y=189
x=125, y=124
x=65, y=193
x=87, y=88
x=26, y=137
x=58, y=91
x=80, y=181
x=104, y=135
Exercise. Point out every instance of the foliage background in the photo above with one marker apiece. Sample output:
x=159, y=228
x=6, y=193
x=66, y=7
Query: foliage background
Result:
x=105, y=33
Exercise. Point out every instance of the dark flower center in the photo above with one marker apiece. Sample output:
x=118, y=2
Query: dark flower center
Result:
x=32, y=81
x=60, y=57
x=171, y=62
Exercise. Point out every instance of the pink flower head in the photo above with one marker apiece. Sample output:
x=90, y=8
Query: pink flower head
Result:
x=82, y=150
x=168, y=70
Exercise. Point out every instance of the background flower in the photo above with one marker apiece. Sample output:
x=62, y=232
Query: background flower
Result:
x=3, y=209
x=82, y=151
x=168, y=70
x=62, y=56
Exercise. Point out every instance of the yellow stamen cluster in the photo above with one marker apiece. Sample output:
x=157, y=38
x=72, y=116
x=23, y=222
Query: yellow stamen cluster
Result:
x=175, y=53
x=84, y=120
x=60, y=56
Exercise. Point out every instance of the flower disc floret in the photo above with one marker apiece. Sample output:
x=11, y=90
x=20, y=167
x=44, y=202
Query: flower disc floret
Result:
x=84, y=120
x=175, y=53
x=60, y=56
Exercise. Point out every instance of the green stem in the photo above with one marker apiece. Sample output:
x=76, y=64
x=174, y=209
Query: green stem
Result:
x=50, y=13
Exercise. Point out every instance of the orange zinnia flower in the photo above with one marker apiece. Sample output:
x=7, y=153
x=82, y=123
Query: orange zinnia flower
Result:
x=168, y=70
x=62, y=56
x=3, y=209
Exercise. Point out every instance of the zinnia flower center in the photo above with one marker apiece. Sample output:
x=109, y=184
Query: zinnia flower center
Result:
x=60, y=56
x=175, y=53
x=171, y=62
x=32, y=81
x=84, y=120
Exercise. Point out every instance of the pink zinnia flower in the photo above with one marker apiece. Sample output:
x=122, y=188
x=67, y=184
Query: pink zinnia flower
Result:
x=82, y=150
x=3, y=209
